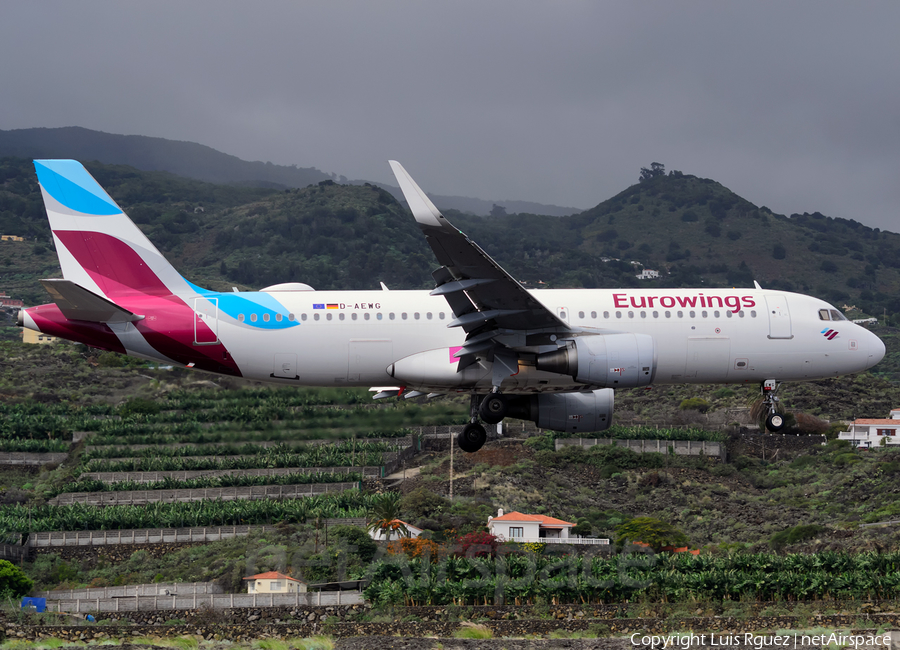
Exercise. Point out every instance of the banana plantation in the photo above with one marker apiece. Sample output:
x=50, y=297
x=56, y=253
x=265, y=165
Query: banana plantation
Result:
x=522, y=579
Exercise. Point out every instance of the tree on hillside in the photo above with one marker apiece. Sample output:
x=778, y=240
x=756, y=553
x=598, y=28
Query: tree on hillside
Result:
x=656, y=170
x=384, y=516
x=649, y=530
x=13, y=582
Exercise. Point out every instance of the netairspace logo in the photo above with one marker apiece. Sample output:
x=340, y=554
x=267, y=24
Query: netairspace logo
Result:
x=760, y=642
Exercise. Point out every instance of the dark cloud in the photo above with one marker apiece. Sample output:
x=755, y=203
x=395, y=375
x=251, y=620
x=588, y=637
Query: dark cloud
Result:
x=792, y=105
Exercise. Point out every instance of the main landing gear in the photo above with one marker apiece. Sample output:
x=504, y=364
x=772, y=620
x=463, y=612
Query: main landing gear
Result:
x=774, y=420
x=492, y=409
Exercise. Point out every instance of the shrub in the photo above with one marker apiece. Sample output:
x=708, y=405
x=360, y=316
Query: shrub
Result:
x=694, y=404
x=796, y=534
x=13, y=581
x=480, y=545
x=652, y=531
x=415, y=548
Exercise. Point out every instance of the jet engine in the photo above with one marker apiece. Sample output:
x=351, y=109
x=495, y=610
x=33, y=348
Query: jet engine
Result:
x=624, y=360
x=568, y=412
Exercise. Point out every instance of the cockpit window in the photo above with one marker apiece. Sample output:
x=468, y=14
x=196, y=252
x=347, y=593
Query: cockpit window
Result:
x=831, y=314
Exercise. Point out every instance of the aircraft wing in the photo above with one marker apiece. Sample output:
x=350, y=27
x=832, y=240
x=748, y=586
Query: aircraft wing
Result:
x=482, y=295
x=77, y=303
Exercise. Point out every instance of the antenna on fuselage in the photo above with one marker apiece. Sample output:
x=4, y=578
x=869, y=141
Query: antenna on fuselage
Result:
x=756, y=284
x=384, y=286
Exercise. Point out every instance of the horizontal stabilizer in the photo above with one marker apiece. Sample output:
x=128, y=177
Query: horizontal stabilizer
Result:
x=77, y=303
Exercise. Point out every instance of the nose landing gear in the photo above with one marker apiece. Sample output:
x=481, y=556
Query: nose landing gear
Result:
x=774, y=420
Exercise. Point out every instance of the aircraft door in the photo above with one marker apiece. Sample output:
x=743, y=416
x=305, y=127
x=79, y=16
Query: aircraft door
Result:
x=779, y=317
x=369, y=358
x=206, y=321
x=708, y=359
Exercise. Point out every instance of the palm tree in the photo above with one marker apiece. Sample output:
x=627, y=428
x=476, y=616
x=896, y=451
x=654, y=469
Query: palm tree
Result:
x=384, y=513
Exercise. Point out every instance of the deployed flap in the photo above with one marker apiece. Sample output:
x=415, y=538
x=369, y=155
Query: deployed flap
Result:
x=480, y=292
x=77, y=303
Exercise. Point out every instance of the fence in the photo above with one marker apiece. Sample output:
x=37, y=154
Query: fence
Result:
x=252, y=493
x=184, y=475
x=156, y=603
x=401, y=441
x=28, y=458
x=156, y=589
x=395, y=460
x=677, y=447
x=15, y=552
x=158, y=535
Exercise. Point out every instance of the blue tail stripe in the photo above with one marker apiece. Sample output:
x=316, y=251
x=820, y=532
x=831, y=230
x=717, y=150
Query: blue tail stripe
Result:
x=69, y=182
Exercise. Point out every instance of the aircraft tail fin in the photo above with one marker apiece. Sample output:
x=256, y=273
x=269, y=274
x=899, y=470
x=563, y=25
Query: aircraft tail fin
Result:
x=99, y=248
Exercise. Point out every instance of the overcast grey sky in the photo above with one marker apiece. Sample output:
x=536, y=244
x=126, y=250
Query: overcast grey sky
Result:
x=793, y=105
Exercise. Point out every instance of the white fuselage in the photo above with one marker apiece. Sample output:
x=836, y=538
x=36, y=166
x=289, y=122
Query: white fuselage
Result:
x=701, y=336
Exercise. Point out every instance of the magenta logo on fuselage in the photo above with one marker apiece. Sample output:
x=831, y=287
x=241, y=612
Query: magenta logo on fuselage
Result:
x=829, y=334
x=734, y=303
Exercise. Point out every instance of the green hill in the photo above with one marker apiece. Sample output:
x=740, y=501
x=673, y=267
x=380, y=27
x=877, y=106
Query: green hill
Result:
x=694, y=231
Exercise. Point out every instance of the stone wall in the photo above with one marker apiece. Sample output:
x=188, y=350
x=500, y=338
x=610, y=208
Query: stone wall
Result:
x=752, y=442
x=269, y=628
x=113, y=553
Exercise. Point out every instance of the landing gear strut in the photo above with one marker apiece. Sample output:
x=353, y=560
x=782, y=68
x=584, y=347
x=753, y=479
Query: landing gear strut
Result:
x=774, y=419
x=473, y=436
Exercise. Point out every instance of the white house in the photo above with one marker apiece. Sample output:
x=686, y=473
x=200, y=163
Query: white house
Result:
x=518, y=527
x=647, y=274
x=272, y=582
x=874, y=432
x=379, y=536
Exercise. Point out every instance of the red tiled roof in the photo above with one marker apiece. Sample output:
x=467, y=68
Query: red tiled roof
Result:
x=541, y=519
x=271, y=575
x=896, y=423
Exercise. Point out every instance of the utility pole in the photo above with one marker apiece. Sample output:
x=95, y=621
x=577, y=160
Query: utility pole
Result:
x=451, y=464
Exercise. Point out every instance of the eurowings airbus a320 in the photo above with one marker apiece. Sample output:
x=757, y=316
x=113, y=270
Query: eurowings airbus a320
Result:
x=551, y=356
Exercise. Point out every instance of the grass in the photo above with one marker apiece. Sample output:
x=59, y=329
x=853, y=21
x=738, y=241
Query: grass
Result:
x=473, y=631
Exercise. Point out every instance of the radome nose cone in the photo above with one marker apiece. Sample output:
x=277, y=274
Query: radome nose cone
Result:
x=876, y=350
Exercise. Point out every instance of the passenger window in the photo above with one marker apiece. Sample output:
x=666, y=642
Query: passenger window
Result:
x=581, y=314
x=391, y=316
x=656, y=314
x=693, y=314
x=593, y=314
x=716, y=313
x=668, y=314
x=266, y=317
x=680, y=314
x=379, y=316
x=353, y=316
x=823, y=314
x=752, y=313
x=302, y=316
x=252, y=318
x=403, y=315
x=416, y=315
x=729, y=313
x=704, y=314
x=631, y=314
x=240, y=318
x=328, y=316
x=741, y=313
x=562, y=315
x=278, y=317
x=366, y=316
x=643, y=314
x=618, y=314
x=606, y=314
x=428, y=315
x=441, y=315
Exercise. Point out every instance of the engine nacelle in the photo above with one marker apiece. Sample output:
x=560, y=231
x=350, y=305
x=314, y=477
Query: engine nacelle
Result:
x=624, y=360
x=568, y=412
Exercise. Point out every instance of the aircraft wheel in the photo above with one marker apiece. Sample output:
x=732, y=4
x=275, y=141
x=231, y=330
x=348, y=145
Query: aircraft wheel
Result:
x=471, y=438
x=493, y=408
x=775, y=422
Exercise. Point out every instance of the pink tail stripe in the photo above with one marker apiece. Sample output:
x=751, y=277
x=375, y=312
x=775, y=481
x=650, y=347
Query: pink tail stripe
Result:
x=112, y=264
